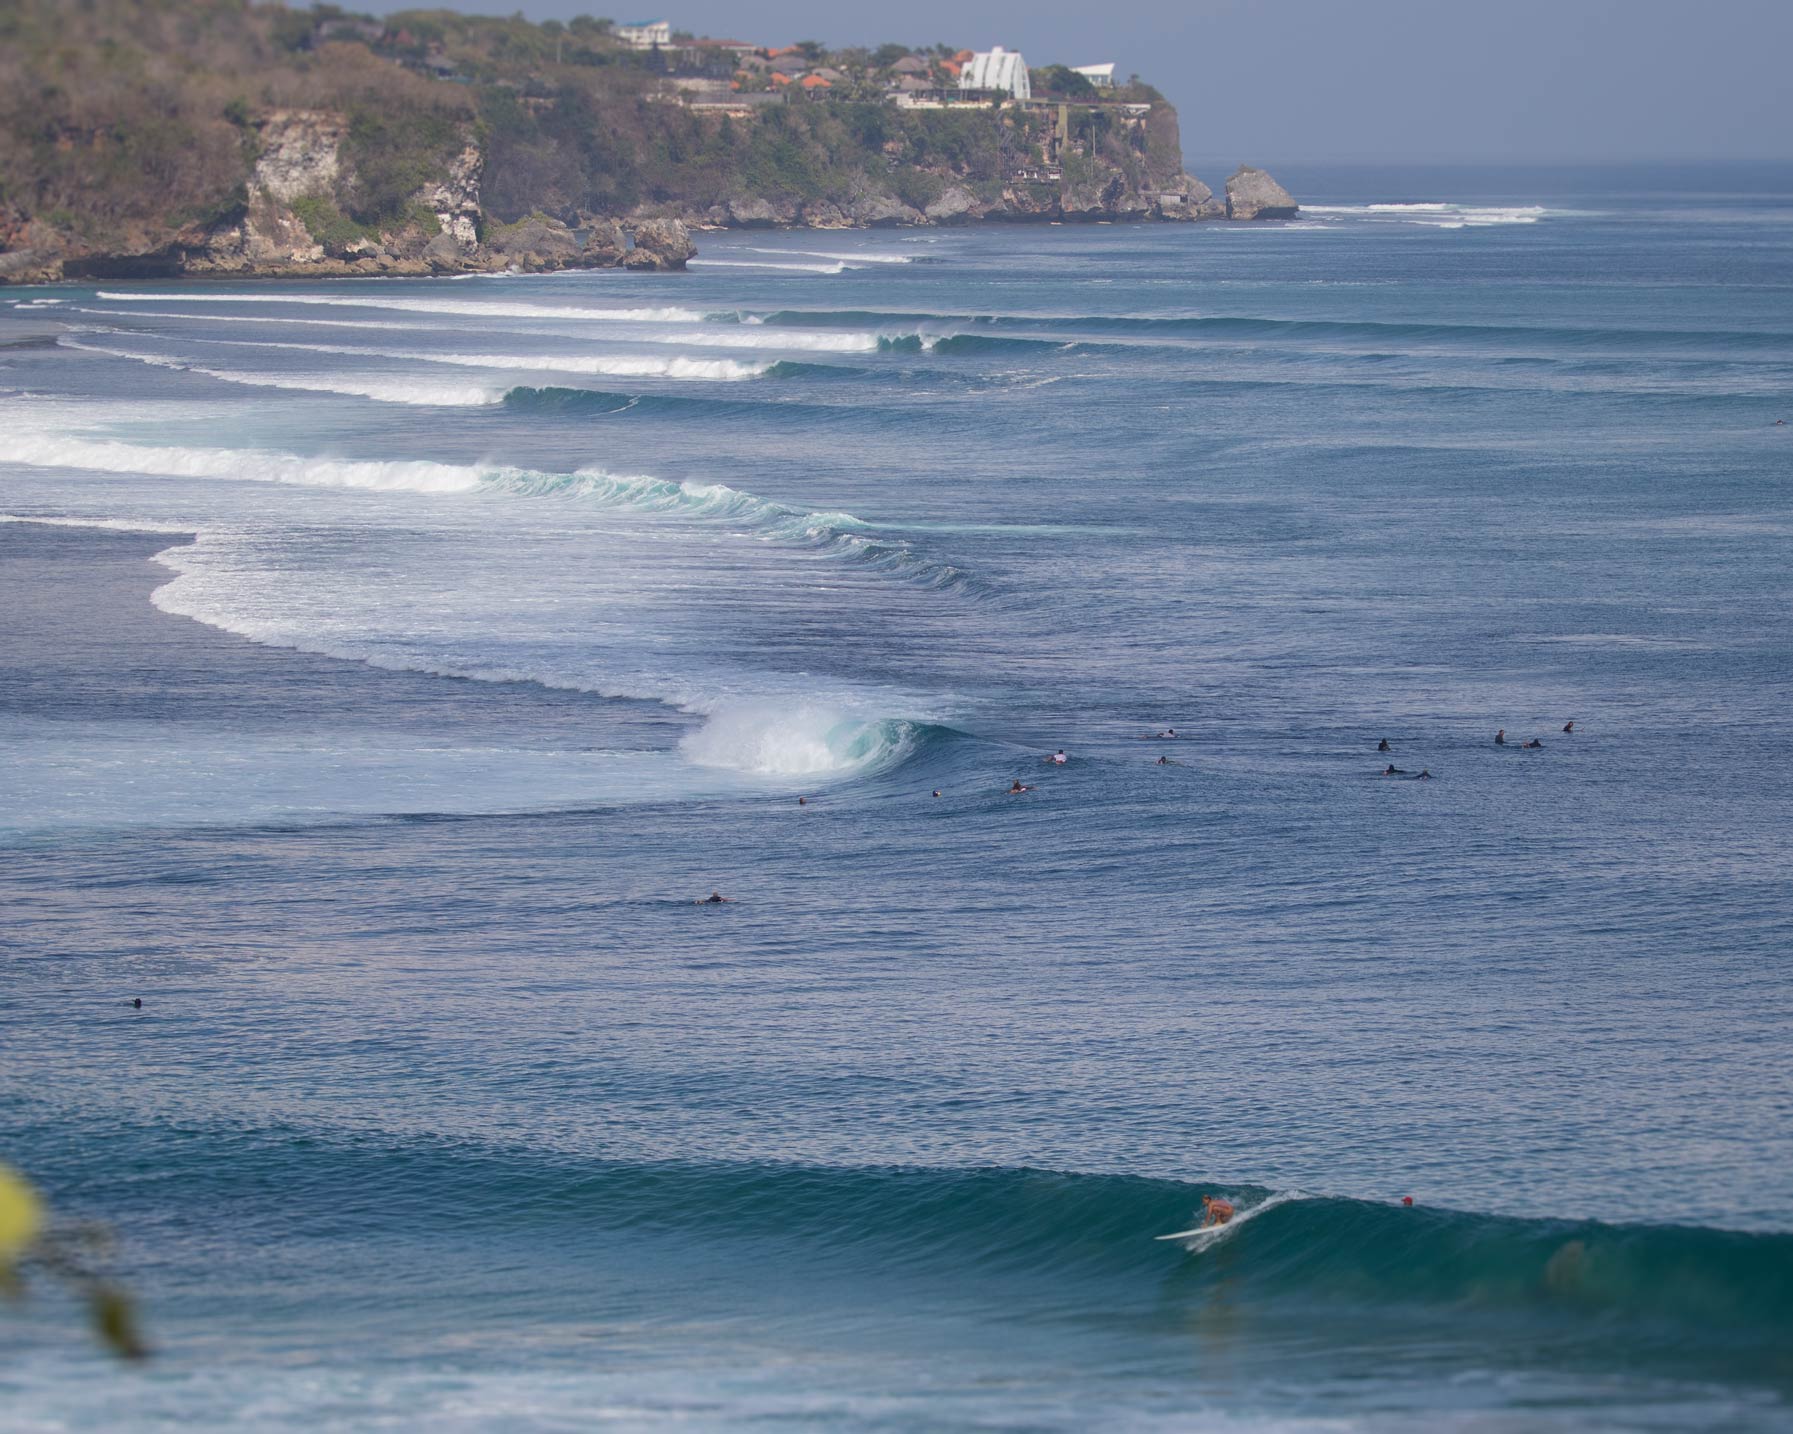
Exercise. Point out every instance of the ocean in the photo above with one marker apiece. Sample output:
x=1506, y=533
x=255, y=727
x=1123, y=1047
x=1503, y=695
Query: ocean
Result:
x=390, y=667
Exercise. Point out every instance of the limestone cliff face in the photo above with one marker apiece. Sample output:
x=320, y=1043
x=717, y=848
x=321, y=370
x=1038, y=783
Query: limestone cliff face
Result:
x=290, y=220
x=291, y=227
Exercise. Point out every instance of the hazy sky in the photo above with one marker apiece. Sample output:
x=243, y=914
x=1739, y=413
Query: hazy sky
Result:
x=1268, y=80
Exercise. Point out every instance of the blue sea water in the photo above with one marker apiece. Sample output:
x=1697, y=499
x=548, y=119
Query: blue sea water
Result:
x=388, y=666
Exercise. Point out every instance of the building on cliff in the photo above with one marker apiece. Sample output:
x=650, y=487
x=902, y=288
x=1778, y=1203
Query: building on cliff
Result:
x=1101, y=76
x=646, y=34
x=997, y=69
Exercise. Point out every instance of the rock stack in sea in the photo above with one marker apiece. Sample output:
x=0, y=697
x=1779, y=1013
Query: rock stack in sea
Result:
x=1253, y=194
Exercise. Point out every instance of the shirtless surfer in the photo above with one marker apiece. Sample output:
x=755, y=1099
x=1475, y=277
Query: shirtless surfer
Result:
x=715, y=898
x=1219, y=1210
x=1015, y=786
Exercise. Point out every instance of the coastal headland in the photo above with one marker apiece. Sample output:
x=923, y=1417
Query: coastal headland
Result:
x=211, y=138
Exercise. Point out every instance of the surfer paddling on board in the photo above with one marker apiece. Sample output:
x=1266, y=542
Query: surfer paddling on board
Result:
x=1015, y=786
x=1218, y=1211
x=1058, y=758
x=715, y=898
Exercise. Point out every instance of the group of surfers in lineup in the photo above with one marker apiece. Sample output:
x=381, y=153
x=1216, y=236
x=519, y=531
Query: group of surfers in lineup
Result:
x=1058, y=758
x=1500, y=740
x=1170, y=734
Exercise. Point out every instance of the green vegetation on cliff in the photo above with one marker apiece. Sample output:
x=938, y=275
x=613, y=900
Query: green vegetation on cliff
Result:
x=152, y=126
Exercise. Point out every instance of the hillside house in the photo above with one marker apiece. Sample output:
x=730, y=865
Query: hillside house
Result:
x=997, y=69
x=1101, y=76
x=646, y=34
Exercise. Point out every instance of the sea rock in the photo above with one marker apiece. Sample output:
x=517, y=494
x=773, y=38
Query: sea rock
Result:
x=956, y=205
x=660, y=244
x=443, y=254
x=1253, y=194
x=756, y=213
x=534, y=242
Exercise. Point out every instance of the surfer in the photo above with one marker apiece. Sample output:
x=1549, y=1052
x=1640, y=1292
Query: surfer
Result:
x=1219, y=1210
x=803, y=801
x=936, y=791
x=1168, y=762
x=1383, y=746
x=1391, y=770
x=1015, y=786
x=1568, y=727
x=1424, y=775
x=1500, y=738
x=1531, y=745
x=715, y=898
x=1058, y=758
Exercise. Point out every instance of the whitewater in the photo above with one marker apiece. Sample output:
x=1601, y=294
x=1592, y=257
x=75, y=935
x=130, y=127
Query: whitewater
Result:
x=393, y=668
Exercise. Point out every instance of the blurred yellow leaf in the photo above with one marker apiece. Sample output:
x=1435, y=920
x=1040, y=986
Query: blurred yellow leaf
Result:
x=21, y=1215
x=115, y=1320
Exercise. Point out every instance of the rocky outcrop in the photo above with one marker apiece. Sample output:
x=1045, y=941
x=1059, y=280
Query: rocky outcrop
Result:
x=605, y=242
x=956, y=205
x=755, y=213
x=876, y=210
x=1253, y=194
x=660, y=244
x=535, y=242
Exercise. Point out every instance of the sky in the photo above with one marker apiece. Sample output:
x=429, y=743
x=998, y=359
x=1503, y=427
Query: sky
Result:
x=1383, y=81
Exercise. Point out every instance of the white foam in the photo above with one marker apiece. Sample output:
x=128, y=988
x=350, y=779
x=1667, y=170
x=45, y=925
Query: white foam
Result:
x=849, y=259
x=835, y=268
x=1437, y=215
x=404, y=391
x=52, y=450
x=725, y=338
x=250, y=319
x=112, y=525
x=463, y=308
x=382, y=390
x=784, y=739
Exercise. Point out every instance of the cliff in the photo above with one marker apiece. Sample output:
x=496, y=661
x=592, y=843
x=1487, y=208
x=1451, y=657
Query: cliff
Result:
x=204, y=137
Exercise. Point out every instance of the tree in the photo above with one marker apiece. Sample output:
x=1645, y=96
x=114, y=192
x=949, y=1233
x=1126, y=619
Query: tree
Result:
x=1060, y=82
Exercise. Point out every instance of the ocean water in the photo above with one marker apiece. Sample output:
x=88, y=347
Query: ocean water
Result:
x=388, y=666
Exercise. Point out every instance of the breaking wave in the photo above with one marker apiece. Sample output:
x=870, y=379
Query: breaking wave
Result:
x=397, y=389
x=834, y=268
x=838, y=533
x=1704, y=1295
x=459, y=308
x=1439, y=215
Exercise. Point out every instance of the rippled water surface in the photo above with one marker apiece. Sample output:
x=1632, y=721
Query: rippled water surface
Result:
x=389, y=665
